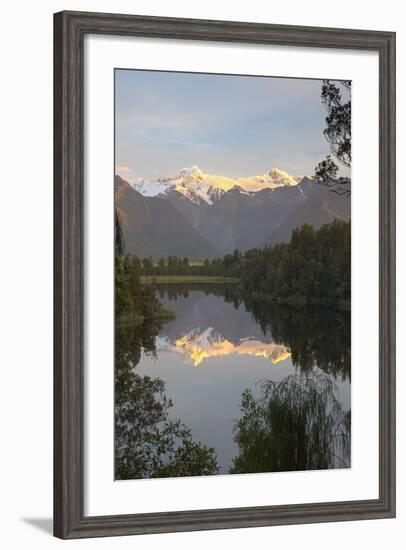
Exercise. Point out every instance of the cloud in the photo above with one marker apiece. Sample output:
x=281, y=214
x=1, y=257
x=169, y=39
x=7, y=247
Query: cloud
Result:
x=228, y=124
x=128, y=174
x=123, y=169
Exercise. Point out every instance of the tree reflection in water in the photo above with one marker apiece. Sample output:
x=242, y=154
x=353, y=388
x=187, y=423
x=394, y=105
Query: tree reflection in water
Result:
x=319, y=337
x=295, y=424
x=147, y=442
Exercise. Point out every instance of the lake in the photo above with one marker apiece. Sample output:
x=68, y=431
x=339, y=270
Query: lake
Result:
x=294, y=360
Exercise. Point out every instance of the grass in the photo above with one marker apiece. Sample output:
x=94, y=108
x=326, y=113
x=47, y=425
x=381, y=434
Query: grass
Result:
x=149, y=279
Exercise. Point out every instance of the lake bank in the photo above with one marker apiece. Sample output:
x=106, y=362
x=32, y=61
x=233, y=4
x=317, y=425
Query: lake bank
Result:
x=222, y=342
x=169, y=279
x=302, y=301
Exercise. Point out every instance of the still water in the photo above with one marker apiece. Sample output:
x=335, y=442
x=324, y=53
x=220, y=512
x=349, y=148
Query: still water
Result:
x=221, y=344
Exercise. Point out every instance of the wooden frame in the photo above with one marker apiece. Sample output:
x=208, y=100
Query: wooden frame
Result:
x=69, y=31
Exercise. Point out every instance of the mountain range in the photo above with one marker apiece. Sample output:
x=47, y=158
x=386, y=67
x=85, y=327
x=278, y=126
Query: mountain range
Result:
x=199, y=345
x=201, y=216
x=206, y=327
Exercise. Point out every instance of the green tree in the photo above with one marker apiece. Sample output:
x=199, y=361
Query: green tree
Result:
x=162, y=267
x=326, y=170
x=338, y=119
x=336, y=97
x=147, y=266
x=147, y=442
x=119, y=244
x=295, y=424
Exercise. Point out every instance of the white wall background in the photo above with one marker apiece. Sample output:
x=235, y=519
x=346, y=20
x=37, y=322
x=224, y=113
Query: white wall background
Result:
x=26, y=272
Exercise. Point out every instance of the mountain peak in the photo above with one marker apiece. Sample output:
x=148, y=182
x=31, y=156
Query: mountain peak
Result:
x=215, y=193
x=199, y=186
x=191, y=170
x=182, y=221
x=192, y=174
x=281, y=178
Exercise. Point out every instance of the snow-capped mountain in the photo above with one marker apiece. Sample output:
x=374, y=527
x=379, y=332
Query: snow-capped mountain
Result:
x=199, y=187
x=200, y=216
x=200, y=344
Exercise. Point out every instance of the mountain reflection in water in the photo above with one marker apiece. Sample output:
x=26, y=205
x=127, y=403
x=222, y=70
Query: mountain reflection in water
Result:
x=199, y=345
x=241, y=345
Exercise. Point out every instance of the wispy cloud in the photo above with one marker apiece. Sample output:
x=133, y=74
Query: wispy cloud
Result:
x=225, y=124
x=128, y=174
x=123, y=169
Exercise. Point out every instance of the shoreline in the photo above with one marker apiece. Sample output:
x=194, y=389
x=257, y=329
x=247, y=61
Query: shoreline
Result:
x=303, y=301
x=173, y=279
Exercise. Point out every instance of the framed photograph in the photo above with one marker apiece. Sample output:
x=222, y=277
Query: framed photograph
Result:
x=224, y=274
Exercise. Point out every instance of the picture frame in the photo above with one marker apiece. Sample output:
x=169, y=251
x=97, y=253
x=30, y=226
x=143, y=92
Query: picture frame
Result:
x=70, y=28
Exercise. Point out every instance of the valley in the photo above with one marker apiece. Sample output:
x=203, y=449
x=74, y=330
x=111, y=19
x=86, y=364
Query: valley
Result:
x=199, y=216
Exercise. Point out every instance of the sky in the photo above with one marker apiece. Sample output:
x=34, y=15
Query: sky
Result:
x=236, y=126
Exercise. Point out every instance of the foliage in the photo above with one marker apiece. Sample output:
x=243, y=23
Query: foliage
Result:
x=337, y=100
x=318, y=337
x=134, y=301
x=119, y=245
x=338, y=119
x=313, y=268
x=326, y=170
x=147, y=442
x=187, y=279
x=295, y=424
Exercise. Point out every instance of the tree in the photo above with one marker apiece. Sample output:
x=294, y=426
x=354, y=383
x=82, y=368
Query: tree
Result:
x=119, y=244
x=162, y=267
x=147, y=266
x=316, y=337
x=296, y=424
x=313, y=268
x=337, y=100
x=148, y=443
x=338, y=119
x=326, y=169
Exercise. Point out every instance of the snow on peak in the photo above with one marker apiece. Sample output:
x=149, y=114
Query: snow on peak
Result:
x=193, y=170
x=200, y=187
x=270, y=180
x=187, y=192
x=215, y=193
x=281, y=178
x=151, y=188
x=201, y=344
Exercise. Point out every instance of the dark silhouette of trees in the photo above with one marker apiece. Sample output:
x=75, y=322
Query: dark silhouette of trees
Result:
x=135, y=302
x=313, y=268
x=318, y=337
x=336, y=97
x=295, y=424
x=119, y=245
x=326, y=170
x=338, y=119
x=172, y=265
x=147, y=442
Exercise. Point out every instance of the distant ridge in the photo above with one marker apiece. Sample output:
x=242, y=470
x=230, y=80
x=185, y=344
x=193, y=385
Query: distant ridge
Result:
x=201, y=187
x=208, y=217
x=154, y=227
